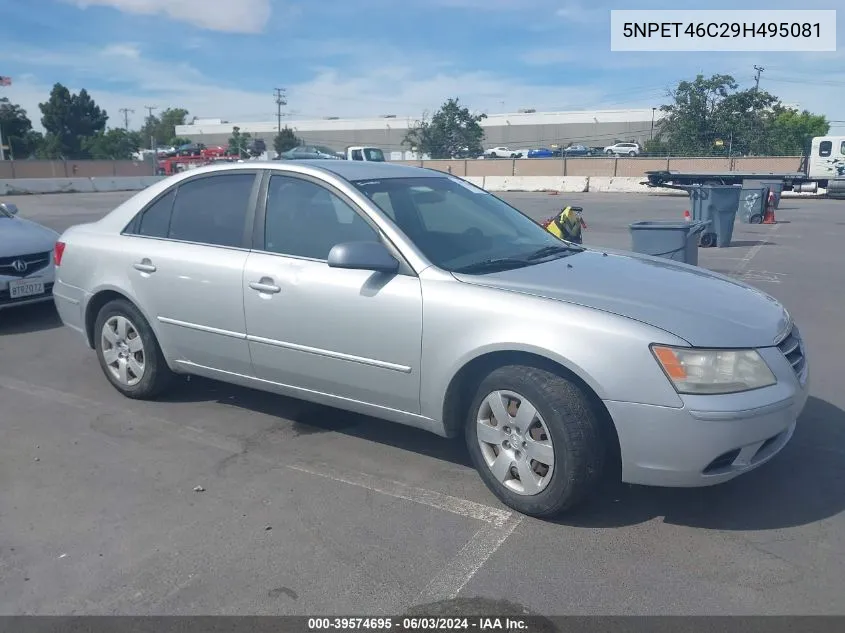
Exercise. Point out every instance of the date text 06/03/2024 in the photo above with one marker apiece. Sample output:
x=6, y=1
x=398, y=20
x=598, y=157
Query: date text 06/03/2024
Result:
x=421, y=623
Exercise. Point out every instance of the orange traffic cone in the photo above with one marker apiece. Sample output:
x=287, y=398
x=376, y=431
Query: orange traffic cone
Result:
x=687, y=216
x=769, y=216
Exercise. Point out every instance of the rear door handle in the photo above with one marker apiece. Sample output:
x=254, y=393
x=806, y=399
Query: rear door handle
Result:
x=265, y=285
x=145, y=266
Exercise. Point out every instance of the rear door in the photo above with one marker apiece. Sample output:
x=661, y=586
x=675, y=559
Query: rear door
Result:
x=185, y=253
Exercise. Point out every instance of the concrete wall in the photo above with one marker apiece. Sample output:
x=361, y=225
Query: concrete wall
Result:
x=606, y=167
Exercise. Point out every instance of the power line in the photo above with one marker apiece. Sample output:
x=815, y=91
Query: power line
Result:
x=126, y=112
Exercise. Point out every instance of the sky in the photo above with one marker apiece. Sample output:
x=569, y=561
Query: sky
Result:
x=360, y=58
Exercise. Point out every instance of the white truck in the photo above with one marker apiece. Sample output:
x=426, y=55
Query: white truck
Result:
x=364, y=153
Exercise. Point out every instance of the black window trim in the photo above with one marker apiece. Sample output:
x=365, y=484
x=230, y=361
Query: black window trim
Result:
x=257, y=245
x=131, y=229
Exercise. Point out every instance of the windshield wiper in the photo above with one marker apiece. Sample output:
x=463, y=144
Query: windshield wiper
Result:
x=547, y=251
x=492, y=265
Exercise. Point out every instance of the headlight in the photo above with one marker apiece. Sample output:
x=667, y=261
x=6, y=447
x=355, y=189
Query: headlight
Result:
x=713, y=371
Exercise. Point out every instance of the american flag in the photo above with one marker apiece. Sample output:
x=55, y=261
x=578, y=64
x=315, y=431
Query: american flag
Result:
x=5, y=81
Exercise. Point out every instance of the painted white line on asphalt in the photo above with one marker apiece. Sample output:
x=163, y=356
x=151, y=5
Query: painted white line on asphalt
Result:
x=455, y=505
x=745, y=261
x=448, y=583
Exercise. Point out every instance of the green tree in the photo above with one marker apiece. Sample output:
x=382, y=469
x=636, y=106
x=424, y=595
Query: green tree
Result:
x=239, y=143
x=116, y=144
x=789, y=131
x=17, y=132
x=69, y=119
x=712, y=116
x=163, y=127
x=286, y=140
x=452, y=132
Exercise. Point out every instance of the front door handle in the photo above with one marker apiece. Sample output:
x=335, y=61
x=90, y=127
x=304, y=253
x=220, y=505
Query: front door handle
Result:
x=145, y=266
x=265, y=285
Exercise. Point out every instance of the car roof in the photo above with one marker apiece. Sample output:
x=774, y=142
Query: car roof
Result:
x=346, y=169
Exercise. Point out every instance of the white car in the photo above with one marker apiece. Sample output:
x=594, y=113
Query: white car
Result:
x=26, y=259
x=501, y=152
x=624, y=149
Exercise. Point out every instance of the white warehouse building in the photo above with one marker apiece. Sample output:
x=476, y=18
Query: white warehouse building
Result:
x=518, y=130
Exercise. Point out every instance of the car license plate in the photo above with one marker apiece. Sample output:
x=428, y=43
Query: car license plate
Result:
x=25, y=288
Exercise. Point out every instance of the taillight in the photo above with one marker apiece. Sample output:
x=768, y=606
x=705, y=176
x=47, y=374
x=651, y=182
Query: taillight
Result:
x=58, y=251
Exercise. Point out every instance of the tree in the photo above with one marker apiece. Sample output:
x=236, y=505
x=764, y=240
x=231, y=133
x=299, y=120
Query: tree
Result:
x=239, y=142
x=116, y=144
x=68, y=119
x=789, y=131
x=163, y=127
x=17, y=132
x=453, y=132
x=714, y=117
x=286, y=140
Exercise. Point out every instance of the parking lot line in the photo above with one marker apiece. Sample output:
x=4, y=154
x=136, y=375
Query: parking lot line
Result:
x=745, y=261
x=463, y=507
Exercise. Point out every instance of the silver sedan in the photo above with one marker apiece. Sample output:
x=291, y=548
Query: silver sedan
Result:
x=411, y=295
x=26, y=259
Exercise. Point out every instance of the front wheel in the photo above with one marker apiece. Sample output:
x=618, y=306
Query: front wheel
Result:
x=128, y=351
x=535, y=440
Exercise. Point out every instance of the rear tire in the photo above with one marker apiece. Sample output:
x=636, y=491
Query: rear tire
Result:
x=512, y=456
x=129, y=353
x=756, y=219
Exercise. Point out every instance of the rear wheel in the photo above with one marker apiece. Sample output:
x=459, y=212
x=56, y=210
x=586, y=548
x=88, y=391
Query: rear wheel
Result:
x=632, y=153
x=756, y=219
x=128, y=351
x=535, y=440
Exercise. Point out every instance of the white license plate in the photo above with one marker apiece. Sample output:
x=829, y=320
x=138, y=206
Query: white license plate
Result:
x=25, y=288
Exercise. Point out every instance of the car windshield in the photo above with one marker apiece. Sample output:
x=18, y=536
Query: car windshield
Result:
x=460, y=227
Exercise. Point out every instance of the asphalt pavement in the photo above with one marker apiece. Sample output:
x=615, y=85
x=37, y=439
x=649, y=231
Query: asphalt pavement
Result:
x=222, y=500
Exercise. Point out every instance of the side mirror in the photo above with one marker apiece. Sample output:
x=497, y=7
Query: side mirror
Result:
x=9, y=208
x=363, y=256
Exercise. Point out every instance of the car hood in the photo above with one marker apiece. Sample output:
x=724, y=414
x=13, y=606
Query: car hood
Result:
x=705, y=309
x=22, y=237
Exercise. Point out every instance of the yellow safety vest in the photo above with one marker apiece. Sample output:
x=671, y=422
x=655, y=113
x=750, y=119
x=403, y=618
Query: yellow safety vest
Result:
x=567, y=225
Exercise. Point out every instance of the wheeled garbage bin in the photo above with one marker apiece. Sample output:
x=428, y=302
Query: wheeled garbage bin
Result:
x=776, y=187
x=718, y=204
x=670, y=239
x=752, y=201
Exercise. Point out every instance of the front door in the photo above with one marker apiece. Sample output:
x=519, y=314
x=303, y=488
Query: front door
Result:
x=353, y=334
x=185, y=257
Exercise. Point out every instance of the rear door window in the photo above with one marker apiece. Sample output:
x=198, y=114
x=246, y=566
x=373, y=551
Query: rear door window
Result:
x=213, y=209
x=155, y=220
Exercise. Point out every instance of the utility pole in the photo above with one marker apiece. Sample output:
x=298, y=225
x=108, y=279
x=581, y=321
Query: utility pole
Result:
x=126, y=112
x=280, y=101
x=4, y=81
x=759, y=70
x=153, y=155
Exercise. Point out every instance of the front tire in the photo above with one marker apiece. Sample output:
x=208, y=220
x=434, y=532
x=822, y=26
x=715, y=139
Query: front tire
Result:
x=535, y=440
x=128, y=351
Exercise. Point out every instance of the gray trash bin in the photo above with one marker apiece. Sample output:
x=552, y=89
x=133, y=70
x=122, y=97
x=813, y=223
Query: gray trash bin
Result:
x=752, y=201
x=718, y=204
x=776, y=187
x=670, y=239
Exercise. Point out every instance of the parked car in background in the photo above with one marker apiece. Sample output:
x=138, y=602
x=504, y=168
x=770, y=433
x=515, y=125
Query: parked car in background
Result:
x=311, y=152
x=414, y=296
x=540, y=152
x=501, y=152
x=623, y=149
x=26, y=259
x=365, y=153
x=578, y=150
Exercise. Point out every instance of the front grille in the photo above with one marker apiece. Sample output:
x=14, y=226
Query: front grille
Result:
x=5, y=300
x=31, y=263
x=793, y=348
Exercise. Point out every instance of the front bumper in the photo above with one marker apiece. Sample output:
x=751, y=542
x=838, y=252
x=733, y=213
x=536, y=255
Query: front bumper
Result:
x=45, y=275
x=711, y=439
